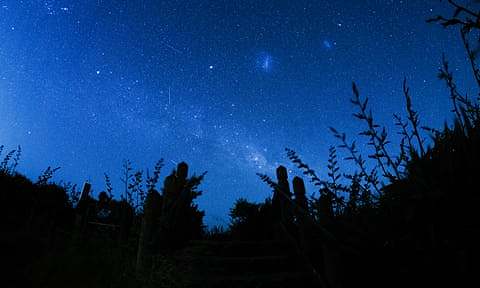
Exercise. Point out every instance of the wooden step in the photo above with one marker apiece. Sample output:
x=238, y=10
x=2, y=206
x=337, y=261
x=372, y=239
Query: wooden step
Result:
x=274, y=280
x=240, y=248
x=239, y=265
x=246, y=264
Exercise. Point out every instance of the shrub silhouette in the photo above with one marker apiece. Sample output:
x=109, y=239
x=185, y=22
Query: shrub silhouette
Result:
x=51, y=234
x=250, y=221
x=411, y=217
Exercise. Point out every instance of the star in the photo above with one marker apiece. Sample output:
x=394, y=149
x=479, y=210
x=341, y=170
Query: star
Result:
x=265, y=62
x=327, y=44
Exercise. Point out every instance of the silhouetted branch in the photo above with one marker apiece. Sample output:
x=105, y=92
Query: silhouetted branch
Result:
x=402, y=158
x=357, y=158
x=126, y=176
x=447, y=76
x=6, y=160
x=413, y=117
x=47, y=175
x=378, y=139
x=460, y=9
x=333, y=170
x=292, y=155
x=108, y=186
x=153, y=180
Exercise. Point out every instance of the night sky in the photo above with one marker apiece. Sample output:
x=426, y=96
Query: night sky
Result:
x=224, y=85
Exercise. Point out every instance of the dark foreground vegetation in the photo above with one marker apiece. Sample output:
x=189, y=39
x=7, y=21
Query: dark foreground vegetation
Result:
x=400, y=220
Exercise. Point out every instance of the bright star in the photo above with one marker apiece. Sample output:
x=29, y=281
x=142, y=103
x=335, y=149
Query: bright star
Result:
x=327, y=44
x=265, y=62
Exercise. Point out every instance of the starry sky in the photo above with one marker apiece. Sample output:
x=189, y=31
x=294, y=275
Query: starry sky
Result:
x=224, y=85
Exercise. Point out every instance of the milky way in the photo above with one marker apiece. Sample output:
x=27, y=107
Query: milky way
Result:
x=223, y=85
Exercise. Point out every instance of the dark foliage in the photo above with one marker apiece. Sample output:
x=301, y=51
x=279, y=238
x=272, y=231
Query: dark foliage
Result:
x=52, y=233
x=249, y=220
x=415, y=222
